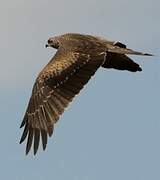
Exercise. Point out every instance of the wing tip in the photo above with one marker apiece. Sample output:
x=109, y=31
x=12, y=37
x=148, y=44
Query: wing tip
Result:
x=36, y=140
x=139, y=69
x=44, y=139
x=24, y=134
x=21, y=141
x=22, y=124
x=148, y=54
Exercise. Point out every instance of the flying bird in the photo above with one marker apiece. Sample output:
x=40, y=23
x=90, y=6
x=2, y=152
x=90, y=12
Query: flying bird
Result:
x=77, y=59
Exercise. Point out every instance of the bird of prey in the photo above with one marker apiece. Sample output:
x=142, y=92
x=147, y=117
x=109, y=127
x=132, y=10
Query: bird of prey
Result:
x=77, y=59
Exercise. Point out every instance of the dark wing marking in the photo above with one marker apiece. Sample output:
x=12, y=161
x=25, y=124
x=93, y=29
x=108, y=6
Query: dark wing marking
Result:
x=120, y=50
x=120, y=62
x=55, y=87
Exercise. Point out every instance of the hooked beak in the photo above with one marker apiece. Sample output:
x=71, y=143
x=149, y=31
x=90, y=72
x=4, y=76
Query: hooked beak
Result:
x=47, y=45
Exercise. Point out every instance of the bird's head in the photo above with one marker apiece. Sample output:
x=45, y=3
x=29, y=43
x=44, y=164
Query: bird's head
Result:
x=53, y=42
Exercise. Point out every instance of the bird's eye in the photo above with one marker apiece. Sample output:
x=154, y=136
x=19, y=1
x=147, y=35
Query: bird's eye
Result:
x=49, y=41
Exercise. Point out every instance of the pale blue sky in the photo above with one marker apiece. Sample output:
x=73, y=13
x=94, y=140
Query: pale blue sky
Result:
x=112, y=129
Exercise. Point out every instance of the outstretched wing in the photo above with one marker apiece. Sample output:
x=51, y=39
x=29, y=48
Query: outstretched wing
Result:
x=55, y=87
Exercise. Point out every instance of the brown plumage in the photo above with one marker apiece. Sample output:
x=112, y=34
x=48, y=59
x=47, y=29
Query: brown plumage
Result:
x=77, y=59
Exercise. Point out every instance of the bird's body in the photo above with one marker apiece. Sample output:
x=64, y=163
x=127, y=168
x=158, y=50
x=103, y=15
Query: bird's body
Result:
x=77, y=59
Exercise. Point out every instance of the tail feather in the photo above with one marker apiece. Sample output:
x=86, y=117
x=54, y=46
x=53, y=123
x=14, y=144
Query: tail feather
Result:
x=117, y=48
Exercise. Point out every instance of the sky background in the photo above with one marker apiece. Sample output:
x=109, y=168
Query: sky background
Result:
x=112, y=129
